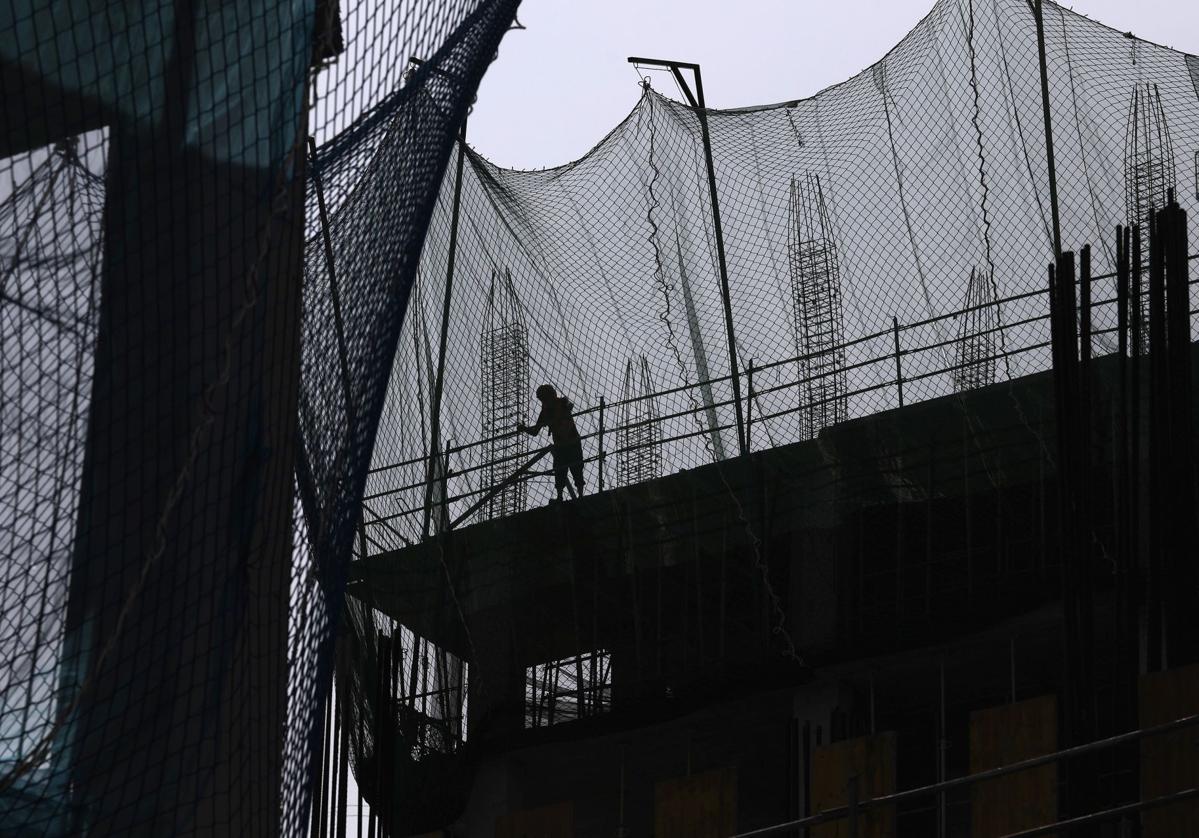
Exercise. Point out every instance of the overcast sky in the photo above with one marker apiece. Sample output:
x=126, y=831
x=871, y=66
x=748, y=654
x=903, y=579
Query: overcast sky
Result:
x=559, y=86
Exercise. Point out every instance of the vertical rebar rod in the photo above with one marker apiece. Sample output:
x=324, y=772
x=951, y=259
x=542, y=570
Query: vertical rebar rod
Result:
x=439, y=381
x=1158, y=385
x=1181, y=627
x=343, y=776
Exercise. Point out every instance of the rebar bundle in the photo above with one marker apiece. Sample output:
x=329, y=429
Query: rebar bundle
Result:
x=504, y=355
x=977, y=328
x=1149, y=175
x=639, y=456
x=816, y=298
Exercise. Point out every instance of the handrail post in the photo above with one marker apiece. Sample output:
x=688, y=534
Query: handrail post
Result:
x=443, y=517
x=749, y=408
x=600, y=458
x=898, y=362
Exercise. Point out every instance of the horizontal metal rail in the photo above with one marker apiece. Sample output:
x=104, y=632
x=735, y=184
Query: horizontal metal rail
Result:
x=844, y=811
x=887, y=353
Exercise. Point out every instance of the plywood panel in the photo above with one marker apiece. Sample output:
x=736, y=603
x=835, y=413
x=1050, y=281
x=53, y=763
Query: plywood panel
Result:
x=699, y=806
x=872, y=760
x=1169, y=763
x=1004, y=735
x=554, y=821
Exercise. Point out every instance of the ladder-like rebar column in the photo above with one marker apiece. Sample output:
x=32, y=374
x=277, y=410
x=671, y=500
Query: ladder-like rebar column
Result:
x=816, y=297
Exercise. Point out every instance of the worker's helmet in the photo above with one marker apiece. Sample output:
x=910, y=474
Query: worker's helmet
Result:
x=546, y=392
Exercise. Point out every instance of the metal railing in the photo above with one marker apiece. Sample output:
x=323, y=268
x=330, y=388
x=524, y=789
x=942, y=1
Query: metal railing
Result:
x=893, y=367
x=853, y=809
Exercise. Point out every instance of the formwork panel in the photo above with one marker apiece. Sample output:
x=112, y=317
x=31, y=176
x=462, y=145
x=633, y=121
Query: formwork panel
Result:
x=556, y=820
x=698, y=806
x=1004, y=735
x=1169, y=763
x=872, y=760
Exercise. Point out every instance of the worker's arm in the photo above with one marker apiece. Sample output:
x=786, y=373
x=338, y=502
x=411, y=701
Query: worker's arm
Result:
x=533, y=430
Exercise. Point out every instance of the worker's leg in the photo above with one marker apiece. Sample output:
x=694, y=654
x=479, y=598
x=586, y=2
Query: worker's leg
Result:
x=559, y=472
x=576, y=471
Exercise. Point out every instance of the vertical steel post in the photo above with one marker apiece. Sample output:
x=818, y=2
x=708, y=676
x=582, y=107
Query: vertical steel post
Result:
x=439, y=381
x=702, y=112
x=851, y=793
x=898, y=362
x=696, y=100
x=1057, y=230
x=942, y=745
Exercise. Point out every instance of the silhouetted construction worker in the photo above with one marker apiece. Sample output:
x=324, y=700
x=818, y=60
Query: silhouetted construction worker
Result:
x=557, y=415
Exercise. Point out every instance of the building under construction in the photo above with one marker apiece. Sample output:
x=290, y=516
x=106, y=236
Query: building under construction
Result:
x=886, y=399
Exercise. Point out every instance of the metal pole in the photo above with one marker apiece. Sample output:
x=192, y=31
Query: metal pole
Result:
x=898, y=363
x=439, y=381
x=696, y=101
x=600, y=457
x=344, y=767
x=852, y=802
x=941, y=761
x=724, y=274
x=1057, y=231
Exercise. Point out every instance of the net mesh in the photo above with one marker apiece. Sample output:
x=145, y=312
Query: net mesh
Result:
x=223, y=377
x=189, y=398
x=886, y=244
x=859, y=224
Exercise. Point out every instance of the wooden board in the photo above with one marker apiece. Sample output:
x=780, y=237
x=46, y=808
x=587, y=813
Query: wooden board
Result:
x=872, y=760
x=1004, y=735
x=554, y=821
x=699, y=806
x=1169, y=763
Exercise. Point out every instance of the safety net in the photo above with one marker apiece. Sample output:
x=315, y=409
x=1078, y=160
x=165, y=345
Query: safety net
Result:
x=884, y=244
x=240, y=367
x=186, y=414
x=903, y=216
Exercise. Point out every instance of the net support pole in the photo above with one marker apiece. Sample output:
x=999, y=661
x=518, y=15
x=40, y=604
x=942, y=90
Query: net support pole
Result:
x=696, y=100
x=439, y=381
x=1035, y=5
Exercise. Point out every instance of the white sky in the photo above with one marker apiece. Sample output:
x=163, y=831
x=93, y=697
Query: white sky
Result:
x=558, y=87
